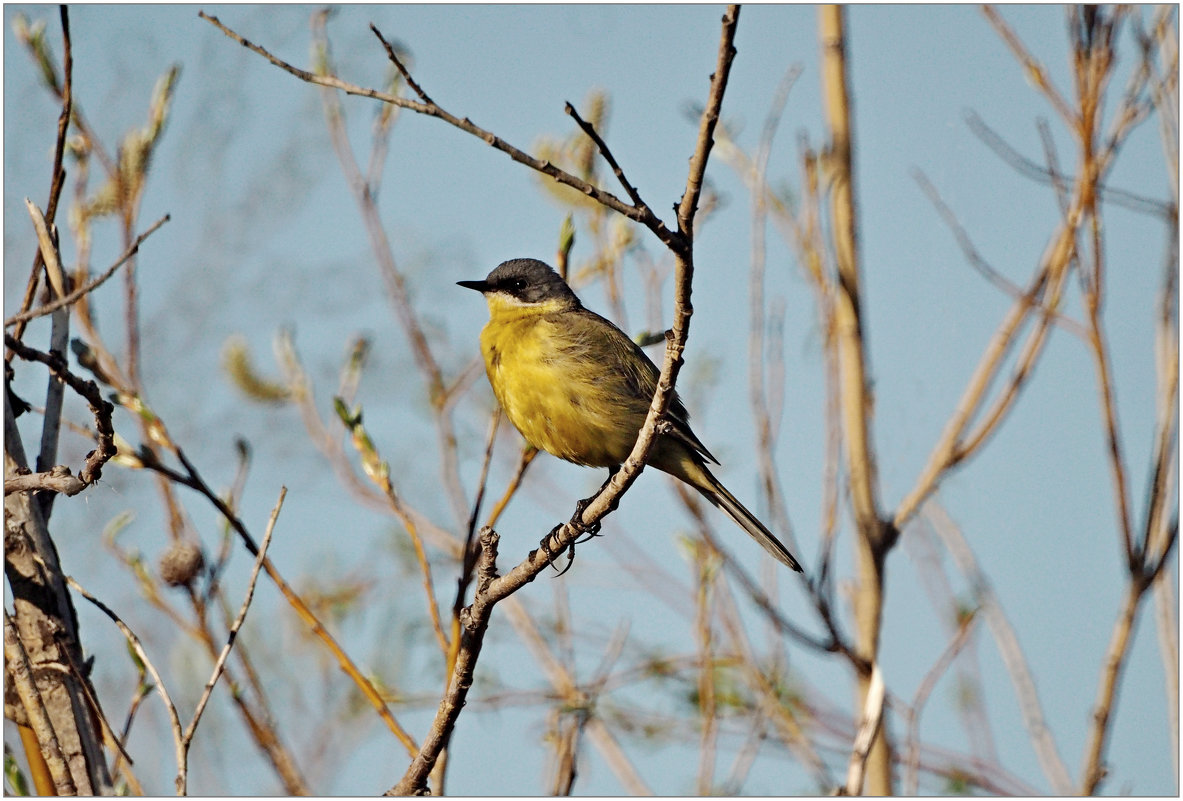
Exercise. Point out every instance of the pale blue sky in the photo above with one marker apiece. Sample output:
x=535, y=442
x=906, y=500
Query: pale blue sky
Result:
x=265, y=235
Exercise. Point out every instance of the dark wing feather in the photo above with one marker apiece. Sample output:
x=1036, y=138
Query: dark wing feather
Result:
x=636, y=374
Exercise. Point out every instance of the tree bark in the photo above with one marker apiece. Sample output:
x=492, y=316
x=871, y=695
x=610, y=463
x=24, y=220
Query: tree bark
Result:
x=46, y=633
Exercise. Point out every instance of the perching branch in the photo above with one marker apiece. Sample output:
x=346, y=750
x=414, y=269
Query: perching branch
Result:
x=491, y=588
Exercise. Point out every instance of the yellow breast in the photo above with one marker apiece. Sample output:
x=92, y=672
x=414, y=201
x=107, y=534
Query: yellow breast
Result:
x=555, y=394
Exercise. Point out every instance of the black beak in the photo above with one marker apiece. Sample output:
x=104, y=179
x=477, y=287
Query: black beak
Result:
x=479, y=286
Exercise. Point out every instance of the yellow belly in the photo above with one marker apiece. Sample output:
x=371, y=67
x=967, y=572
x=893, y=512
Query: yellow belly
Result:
x=558, y=400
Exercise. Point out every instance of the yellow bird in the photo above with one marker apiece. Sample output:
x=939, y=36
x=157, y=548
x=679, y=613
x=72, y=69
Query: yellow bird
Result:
x=577, y=387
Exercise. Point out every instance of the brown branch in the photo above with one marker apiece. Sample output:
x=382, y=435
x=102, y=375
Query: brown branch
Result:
x=643, y=216
x=602, y=146
x=58, y=179
x=56, y=479
x=219, y=665
x=525, y=459
x=20, y=673
x=706, y=132
x=1035, y=71
x=92, y=468
x=1094, y=770
x=193, y=480
x=475, y=621
x=379, y=473
x=398, y=63
x=491, y=588
x=89, y=286
x=875, y=538
x=134, y=643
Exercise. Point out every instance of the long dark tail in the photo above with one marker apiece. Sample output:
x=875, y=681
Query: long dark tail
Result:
x=750, y=523
x=698, y=476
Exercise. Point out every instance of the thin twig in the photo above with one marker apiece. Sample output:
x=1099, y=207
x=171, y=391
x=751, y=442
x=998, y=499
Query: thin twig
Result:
x=643, y=216
x=89, y=286
x=219, y=665
x=1094, y=769
x=1035, y=71
x=468, y=562
x=602, y=146
x=923, y=691
x=1026, y=694
x=1033, y=170
x=194, y=481
x=100, y=407
x=979, y=263
x=394, y=59
x=950, y=448
x=58, y=179
x=137, y=646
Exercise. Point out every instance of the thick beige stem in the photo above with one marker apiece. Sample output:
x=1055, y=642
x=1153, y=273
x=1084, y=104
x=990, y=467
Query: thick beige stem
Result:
x=855, y=398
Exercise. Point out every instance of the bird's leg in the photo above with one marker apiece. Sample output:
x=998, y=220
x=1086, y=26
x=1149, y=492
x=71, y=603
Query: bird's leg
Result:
x=584, y=532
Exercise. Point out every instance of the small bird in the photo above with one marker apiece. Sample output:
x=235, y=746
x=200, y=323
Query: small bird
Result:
x=578, y=387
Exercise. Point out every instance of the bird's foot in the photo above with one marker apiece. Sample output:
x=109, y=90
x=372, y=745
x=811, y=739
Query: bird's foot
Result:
x=586, y=532
x=551, y=554
x=583, y=532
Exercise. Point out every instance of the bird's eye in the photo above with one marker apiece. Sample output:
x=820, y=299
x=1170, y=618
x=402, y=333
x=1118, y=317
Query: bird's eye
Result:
x=517, y=285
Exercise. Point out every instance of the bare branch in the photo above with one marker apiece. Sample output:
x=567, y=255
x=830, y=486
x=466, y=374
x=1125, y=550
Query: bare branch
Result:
x=912, y=747
x=192, y=479
x=56, y=479
x=1094, y=769
x=187, y=739
x=590, y=130
x=92, y=469
x=642, y=216
x=20, y=673
x=1009, y=648
x=1031, y=169
x=58, y=180
x=979, y=263
x=869, y=724
x=1035, y=71
x=137, y=646
x=89, y=286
